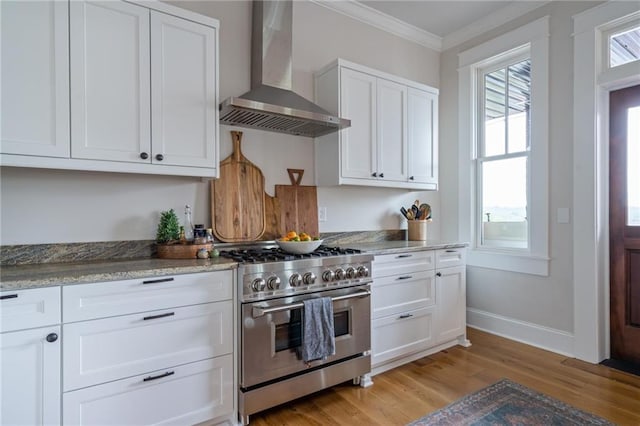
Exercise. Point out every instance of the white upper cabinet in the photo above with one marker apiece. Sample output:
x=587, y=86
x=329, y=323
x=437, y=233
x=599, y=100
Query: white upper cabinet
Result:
x=392, y=128
x=358, y=96
x=35, y=78
x=110, y=81
x=183, y=83
x=143, y=88
x=392, y=141
x=422, y=136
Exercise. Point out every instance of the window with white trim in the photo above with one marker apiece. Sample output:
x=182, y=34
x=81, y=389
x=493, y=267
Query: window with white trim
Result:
x=504, y=92
x=503, y=143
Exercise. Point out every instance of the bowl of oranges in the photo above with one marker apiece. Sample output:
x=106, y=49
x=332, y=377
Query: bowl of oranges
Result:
x=295, y=243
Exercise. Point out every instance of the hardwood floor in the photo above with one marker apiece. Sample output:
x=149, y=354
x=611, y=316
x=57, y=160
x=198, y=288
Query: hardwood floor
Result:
x=407, y=393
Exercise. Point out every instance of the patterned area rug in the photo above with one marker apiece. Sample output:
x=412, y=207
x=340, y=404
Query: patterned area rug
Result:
x=508, y=403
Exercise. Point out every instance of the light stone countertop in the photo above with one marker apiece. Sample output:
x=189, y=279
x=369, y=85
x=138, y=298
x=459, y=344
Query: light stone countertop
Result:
x=52, y=274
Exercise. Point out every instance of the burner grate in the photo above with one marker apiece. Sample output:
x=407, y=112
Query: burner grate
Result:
x=276, y=254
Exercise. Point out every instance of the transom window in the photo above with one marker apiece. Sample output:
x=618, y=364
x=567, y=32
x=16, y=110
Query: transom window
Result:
x=624, y=46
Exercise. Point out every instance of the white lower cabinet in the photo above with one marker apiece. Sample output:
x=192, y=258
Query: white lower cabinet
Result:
x=154, y=351
x=181, y=395
x=30, y=371
x=30, y=357
x=418, y=305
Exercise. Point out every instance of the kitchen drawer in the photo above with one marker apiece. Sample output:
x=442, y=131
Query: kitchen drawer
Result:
x=447, y=258
x=22, y=309
x=401, y=293
x=189, y=394
x=401, y=334
x=106, y=299
x=108, y=349
x=401, y=263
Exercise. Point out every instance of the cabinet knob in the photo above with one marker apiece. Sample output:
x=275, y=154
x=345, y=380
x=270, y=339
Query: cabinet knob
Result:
x=159, y=157
x=381, y=175
x=52, y=337
x=410, y=177
x=144, y=155
x=438, y=274
x=374, y=174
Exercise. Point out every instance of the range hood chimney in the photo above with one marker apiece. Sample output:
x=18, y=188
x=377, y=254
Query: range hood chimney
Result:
x=271, y=104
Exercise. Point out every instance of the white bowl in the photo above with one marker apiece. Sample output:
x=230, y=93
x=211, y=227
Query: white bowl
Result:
x=299, y=247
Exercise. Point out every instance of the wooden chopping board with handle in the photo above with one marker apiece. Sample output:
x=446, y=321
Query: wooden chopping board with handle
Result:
x=298, y=205
x=238, y=211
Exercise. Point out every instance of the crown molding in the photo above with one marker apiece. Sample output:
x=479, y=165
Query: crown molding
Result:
x=496, y=19
x=375, y=18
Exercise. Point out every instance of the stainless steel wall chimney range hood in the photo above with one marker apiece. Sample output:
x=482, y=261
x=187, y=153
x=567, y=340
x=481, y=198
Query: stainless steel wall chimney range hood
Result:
x=271, y=104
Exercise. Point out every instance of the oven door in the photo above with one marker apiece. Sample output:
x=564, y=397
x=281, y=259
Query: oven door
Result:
x=272, y=333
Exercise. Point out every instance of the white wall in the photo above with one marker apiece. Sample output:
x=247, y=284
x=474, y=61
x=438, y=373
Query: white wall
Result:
x=533, y=308
x=44, y=206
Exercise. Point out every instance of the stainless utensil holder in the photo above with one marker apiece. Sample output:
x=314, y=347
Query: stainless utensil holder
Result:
x=417, y=230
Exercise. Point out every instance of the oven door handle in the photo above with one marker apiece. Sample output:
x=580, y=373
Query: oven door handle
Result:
x=258, y=312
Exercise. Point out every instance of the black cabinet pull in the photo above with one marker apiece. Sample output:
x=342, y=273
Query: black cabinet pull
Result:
x=168, y=314
x=403, y=255
x=405, y=277
x=451, y=251
x=159, y=280
x=410, y=177
x=144, y=155
x=52, y=337
x=9, y=296
x=159, y=376
x=381, y=175
x=374, y=174
x=159, y=157
x=438, y=274
x=403, y=316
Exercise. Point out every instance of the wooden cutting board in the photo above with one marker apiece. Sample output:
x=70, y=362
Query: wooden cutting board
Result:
x=298, y=205
x=273, y=229
x=237, y=210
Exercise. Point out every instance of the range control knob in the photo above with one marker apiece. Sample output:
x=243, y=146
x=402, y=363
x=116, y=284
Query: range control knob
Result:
x=258, y=284
x=295, y=280
x=327, y=275
x=309, y=278
x=363, y=271
x=351, y=273
x=339, y=274
x=273, y=283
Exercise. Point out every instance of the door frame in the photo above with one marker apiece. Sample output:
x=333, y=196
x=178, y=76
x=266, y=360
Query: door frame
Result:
x=591, y=173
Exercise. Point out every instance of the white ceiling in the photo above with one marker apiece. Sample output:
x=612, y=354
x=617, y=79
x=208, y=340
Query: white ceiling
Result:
x=437, y=24
x=438, y=17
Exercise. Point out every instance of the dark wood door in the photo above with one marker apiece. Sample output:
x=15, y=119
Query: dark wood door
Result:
x=624, y=223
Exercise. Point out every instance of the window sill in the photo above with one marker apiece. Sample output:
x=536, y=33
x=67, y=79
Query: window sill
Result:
x=513, y=262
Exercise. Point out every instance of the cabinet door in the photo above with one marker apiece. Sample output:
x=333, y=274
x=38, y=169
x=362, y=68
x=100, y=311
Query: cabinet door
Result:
x=30, y=371
x=108, y=349
x=181, y=395
x=184, y=87
x=450, y=321
x=391, y=124
x=35, y=78
x=422, y=141
x=110, y=81
x=358, y=142
x=400, y=335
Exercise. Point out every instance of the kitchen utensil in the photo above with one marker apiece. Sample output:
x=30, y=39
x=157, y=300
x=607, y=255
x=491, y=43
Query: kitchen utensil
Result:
x=415, y=211
x=298, y=205
x=299, y=247
x=238, y=209
x=404, y=212
x=410, y=215
x=426, y=211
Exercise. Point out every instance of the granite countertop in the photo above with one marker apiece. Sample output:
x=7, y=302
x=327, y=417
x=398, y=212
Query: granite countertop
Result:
x=51, y=274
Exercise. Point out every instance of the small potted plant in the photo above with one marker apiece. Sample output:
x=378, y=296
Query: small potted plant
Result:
x=170, y=240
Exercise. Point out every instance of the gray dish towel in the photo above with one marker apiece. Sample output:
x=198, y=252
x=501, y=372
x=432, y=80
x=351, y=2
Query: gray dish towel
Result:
x=318, y=336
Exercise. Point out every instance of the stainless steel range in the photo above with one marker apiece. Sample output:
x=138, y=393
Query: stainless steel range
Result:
x=272, y=288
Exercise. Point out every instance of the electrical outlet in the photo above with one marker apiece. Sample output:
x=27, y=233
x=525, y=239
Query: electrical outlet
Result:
x=322, y=214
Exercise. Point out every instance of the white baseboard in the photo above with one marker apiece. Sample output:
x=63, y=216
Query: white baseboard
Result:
x=521, y=331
